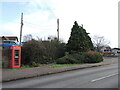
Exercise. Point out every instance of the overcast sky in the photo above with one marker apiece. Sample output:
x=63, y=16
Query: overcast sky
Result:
x=99, y=17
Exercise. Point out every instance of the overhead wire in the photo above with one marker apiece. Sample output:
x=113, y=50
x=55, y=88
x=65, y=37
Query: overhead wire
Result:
x=38, y=26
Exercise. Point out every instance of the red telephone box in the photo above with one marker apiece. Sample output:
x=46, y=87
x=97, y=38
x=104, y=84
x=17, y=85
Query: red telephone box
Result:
x=15, y=57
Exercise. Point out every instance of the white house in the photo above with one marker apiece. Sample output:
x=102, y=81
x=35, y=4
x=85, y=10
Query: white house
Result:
x=116, y=51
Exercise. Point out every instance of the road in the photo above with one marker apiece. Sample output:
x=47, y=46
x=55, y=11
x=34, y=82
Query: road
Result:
x=96, y=77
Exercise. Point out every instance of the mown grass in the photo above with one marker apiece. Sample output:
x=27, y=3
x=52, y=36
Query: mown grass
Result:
x=45, y=66
x=61, y=65
x=48, y=66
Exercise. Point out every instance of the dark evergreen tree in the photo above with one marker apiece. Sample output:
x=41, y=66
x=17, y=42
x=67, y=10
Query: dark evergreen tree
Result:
x=79, y=40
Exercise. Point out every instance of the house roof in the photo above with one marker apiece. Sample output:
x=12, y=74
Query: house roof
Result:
x=117, y=48
x=14, y=38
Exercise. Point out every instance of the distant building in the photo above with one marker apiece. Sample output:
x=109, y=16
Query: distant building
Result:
x=116, y=51
x=12, y=38
x=106, y=49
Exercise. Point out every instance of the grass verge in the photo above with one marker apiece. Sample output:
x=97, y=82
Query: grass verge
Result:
x=61, y=65
x=47, y=66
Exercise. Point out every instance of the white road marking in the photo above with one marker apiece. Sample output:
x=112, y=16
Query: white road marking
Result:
x=104, y=77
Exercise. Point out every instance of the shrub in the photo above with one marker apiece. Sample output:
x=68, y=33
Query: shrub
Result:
x=62, y=61
x=71, y=59
x=80, y=58
x=34, y=64
x=41, y=52
x=93, y=57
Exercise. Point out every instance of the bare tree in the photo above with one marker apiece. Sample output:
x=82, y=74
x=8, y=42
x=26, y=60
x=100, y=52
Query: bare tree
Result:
x=27, y=37
x=100, y=42
x=39, y=39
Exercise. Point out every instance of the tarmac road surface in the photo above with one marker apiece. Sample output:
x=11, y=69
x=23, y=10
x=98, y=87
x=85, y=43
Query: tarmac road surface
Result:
x=96, y=77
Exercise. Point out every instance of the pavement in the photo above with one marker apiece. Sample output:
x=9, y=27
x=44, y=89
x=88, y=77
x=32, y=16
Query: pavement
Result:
x=22, y=73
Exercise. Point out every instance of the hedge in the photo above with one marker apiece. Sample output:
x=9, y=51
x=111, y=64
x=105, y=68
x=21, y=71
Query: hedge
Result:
x=41, y=52
x=80, y=58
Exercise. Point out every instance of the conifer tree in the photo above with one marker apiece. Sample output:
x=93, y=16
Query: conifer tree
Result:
x=79, y=40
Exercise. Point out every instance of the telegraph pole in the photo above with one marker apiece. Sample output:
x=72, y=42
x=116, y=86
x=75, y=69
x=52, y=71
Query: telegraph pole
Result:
x=21, y=28
x=58, y=28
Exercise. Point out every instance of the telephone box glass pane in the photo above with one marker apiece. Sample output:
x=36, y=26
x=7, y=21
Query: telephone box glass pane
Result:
x=16, y=57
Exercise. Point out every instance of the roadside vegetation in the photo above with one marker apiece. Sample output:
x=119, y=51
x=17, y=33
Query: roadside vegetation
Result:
x=80, y=58
x=47, y=65
x=78, y=50
x=42, y=52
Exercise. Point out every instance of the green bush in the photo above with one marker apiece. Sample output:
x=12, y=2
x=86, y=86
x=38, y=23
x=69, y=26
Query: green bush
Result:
x=41, y=52
x=93, y=58
x=71, y=59
x=80, y=58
